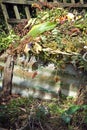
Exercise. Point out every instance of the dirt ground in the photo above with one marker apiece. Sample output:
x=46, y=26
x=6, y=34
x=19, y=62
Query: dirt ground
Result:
x=16, y=114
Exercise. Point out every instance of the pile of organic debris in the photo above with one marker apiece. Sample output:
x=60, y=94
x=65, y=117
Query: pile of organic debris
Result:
x=57, y=36
x=62, y=37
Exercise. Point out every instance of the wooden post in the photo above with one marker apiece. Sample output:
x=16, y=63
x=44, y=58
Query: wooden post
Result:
x=64, y=1
x=6, y=16
x=81, y=1
x=16, y=12
x=27, y=12
x=72, y=1
x=8, y=76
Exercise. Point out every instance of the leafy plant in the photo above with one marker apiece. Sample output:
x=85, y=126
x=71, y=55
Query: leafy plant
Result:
x=67, y=115
x=55, y=109
x=61, y=41
x=7, y=39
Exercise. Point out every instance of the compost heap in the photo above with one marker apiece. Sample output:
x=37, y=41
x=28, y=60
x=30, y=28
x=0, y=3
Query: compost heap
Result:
x=64, y=43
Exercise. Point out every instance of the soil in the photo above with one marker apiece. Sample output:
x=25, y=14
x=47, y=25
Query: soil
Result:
x=24, y=121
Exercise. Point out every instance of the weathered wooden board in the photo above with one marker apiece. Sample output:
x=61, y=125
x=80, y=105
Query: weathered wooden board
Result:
x=44, y=85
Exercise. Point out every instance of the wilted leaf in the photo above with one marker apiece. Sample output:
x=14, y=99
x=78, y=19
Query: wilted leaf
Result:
x=30, y=22
x=37, y=48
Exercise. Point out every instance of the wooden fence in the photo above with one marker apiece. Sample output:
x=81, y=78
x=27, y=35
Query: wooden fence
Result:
x=12, y=12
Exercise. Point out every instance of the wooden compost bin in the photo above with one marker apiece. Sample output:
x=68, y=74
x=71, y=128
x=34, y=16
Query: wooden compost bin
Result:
x=43, y=85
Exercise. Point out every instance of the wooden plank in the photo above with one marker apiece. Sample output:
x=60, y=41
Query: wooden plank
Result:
x=43, y=0
x=0, y=1
x=16, y=12
x=13, y=20
x=81, y=1
x=26, y=2
x=23, y=2
x=72, y=1
x=64, y=1
x=73, y=5
x=6, y=16
x=27, y=12
x=55, y=1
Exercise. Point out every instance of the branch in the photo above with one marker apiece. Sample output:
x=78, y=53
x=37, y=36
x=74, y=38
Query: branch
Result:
x=59, y=52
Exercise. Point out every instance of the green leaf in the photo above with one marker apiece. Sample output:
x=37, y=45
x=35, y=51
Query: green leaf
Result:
x=84, y=107
x=3, y=106
x=72, y=109
x=66, y=118
x=85, y=119
x=41, y=28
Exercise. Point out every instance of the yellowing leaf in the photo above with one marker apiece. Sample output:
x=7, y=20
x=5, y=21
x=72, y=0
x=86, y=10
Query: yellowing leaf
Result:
x=37, y=48
x=26, y=49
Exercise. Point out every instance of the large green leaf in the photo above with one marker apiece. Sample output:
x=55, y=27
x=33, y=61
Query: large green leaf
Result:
x=66, y=116
x=72, y=109
x=84, y=107
x=41, y=28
